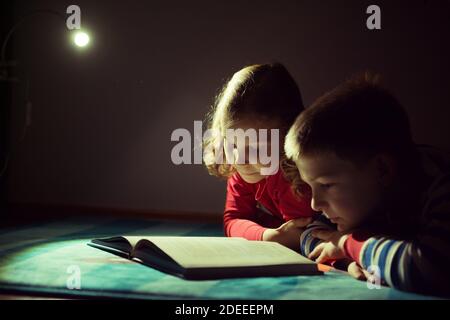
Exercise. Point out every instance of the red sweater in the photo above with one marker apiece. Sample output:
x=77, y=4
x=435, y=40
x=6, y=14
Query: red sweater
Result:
x=242, y=217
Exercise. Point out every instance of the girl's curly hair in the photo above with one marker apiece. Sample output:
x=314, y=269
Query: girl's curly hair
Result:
x=263, y=92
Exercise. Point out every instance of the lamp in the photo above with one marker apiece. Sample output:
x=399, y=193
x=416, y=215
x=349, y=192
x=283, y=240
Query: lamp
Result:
x=80, y=39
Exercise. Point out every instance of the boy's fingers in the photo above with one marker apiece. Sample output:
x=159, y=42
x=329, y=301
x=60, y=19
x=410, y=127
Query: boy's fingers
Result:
x=316, y=252
x=322, y=234
x=302, y=222
x=323, y=257
x=366, y=273
x=355, y=271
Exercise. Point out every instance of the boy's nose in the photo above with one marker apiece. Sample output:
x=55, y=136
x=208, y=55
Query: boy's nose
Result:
x=317, y=204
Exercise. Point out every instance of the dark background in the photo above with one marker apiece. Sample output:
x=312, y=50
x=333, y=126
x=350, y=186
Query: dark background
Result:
x=102, y=117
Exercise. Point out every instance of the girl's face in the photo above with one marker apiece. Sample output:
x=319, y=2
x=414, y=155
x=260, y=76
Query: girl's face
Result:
x=344, y=192
x=250, y=170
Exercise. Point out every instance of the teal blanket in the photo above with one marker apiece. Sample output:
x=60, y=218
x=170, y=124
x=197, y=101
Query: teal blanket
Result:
x=54, y=258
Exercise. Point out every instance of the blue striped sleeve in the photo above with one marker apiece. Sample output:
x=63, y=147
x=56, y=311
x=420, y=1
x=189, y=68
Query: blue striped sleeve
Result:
x=307, y=241
x=388, y=259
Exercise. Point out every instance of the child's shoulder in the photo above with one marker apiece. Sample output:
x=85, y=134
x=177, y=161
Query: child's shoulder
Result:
x=436, y=195
x=235, y=178
x=279, y=182
x=436, y=166
x=277, y=178
x=276, y=181
x=435, y=161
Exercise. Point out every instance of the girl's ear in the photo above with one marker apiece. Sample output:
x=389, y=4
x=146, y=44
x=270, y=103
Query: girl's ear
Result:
x=386, y=169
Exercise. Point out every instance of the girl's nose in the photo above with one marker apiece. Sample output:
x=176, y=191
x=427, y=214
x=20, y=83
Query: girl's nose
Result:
x=246, y=155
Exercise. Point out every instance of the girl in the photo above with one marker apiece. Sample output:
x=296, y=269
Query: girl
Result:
x=258, y=207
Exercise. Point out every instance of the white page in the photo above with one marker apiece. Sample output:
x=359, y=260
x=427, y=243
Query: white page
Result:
x=225, y=252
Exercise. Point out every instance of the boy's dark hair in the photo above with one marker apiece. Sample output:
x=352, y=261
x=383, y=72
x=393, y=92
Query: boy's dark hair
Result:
x=355, y=120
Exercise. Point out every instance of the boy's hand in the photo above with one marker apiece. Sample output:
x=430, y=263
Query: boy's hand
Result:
x=352, y=268
x=332, y=249
x=357, y=272
x=288, y=234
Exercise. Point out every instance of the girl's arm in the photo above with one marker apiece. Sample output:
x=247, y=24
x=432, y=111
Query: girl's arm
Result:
x=241, y=212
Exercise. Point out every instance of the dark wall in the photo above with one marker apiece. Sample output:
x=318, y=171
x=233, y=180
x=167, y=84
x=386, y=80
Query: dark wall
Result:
x=102, y=117
x=6, y=19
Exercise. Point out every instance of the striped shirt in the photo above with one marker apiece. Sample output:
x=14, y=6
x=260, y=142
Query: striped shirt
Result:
x=418, y=263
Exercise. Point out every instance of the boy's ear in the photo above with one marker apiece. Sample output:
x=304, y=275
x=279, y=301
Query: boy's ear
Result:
x=386, y=169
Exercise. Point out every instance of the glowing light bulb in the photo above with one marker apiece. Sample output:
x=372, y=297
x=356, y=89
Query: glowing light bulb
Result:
x=81, y=39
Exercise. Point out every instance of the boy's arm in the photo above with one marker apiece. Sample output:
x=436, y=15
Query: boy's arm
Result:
x=385, y=258
x=421, y=265
x=307, y=241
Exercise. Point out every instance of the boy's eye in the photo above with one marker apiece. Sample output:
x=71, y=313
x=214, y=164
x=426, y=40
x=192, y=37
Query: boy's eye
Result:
x=326, y=185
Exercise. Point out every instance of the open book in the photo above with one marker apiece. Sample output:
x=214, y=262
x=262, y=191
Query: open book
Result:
x=201, y=258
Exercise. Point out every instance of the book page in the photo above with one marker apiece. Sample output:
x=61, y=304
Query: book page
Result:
x=133, y=240
x=225, y=252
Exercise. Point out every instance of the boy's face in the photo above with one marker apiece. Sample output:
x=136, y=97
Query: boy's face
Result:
x=344, y=192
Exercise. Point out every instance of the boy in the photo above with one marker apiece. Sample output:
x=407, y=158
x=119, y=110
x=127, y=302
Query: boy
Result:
x=389, y=198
